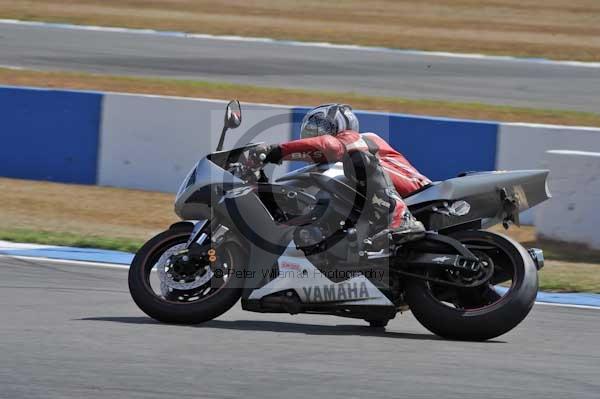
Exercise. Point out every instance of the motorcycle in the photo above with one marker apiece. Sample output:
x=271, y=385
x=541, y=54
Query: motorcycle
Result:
x=301, y=244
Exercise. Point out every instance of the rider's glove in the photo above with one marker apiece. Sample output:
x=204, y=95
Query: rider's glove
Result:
x=274, y=154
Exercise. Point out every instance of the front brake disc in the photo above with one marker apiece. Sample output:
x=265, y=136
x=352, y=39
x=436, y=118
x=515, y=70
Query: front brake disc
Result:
x=168, y=282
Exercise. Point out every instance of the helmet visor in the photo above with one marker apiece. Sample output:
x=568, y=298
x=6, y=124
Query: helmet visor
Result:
x=317, y=125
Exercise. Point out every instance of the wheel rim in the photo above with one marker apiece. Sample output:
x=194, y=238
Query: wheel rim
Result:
x=167, y=285
x=489, y=293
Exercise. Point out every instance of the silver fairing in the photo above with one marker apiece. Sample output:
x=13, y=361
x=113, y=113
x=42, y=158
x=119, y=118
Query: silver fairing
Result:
x=298, y=274
x=529, y=185
x=200, y=179
x=491, y=197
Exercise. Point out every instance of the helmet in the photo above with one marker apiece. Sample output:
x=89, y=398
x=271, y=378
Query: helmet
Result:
x=328, y=119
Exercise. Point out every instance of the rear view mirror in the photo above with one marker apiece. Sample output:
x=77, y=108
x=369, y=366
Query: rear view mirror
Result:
x=233, y=118
x=233, y=114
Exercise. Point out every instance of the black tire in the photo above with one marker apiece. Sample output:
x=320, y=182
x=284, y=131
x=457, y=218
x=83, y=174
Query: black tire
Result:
x=486, y=321
x=169, y=311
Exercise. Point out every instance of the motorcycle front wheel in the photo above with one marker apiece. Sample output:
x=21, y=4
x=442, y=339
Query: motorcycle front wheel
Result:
x=193, y=294
x=486, y=311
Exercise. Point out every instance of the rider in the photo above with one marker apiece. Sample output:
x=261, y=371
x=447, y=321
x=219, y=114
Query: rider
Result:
x=329, y=133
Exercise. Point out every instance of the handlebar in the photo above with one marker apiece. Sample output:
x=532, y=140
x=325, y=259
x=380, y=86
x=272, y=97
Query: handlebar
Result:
x=246, y=172
x=248, y=165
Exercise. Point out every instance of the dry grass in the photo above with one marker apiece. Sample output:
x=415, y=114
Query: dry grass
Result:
x=558, y=276
x=115, y=218
x=568, y=268
x=86, y=210
x=248, y=93
x=557, y=29
x=557, y=250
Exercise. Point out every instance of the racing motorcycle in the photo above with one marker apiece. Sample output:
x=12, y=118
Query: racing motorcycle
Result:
x=301, y=244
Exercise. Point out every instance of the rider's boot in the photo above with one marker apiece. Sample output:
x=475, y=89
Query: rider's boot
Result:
x=402, y=226
x=410, y=229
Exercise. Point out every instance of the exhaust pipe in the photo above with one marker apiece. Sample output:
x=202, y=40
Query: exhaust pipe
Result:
x=538, y=257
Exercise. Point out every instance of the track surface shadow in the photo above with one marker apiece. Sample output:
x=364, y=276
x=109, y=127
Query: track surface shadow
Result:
x=284, y=327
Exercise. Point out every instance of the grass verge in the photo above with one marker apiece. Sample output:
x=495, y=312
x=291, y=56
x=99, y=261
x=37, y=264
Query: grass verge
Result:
x=559, y=276
x=70, y=239
x=249, y=93
x=553, y=28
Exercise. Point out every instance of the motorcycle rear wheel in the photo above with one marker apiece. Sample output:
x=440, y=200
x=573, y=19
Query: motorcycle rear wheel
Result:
x=179, y=308
x=481, y=313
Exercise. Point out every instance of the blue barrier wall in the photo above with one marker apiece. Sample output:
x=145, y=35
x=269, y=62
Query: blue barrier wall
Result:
x=440, y=148
x=55, y=134
x=49, y=134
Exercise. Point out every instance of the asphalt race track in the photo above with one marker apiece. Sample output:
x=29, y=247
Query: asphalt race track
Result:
x=387, y=73
x=72, y=331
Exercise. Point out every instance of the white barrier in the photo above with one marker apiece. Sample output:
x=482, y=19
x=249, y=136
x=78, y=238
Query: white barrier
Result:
x=572, y=214
x=523, y=146
x=151, y=142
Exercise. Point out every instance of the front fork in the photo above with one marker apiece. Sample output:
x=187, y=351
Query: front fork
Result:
x=204, y=234
x=199, y=233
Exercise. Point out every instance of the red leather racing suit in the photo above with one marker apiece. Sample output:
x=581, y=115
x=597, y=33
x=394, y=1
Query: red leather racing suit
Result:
x=404, y=177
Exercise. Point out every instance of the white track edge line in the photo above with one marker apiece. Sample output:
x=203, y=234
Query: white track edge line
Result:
x=66, y=261
x=568, y=305
x=113, y=29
